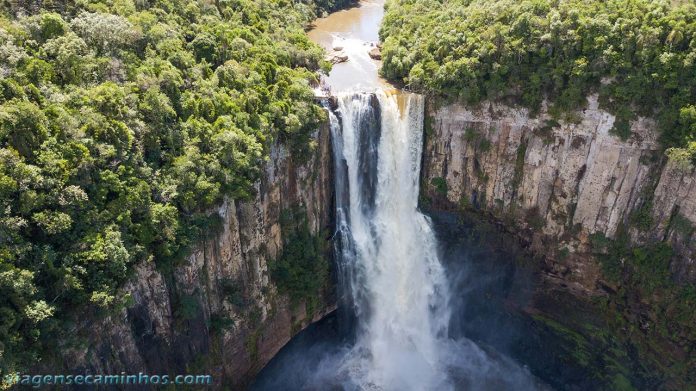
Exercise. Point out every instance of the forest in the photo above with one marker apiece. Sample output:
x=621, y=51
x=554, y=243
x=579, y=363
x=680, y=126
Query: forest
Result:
x=122, y=123
x=639, y=56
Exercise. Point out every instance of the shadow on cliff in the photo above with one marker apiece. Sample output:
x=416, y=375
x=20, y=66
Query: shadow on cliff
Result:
x=493, y=287
x=307, y=361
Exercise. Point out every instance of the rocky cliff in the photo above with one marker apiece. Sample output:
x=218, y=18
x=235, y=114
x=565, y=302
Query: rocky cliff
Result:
x=219, y=312
x=561, y=182
x=610, y=221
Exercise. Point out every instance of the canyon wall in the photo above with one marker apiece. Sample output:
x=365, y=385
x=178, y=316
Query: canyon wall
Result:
x=561, y=182
x=219, y=312
x=608, y=225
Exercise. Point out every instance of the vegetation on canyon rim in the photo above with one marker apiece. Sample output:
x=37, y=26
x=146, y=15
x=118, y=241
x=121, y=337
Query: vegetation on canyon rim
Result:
x=121, y=123
x=638, y=55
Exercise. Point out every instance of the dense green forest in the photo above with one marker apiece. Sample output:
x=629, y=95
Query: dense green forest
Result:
x=121, y=123
x=638, y=55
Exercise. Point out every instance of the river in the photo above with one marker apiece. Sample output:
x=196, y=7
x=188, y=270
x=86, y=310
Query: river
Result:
x=355, y=32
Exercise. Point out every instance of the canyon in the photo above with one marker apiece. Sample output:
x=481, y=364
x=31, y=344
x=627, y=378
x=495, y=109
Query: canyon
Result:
x=559, y=188
x=550, y=188
x=168, y=324
x=572, y=180
x=562, y=182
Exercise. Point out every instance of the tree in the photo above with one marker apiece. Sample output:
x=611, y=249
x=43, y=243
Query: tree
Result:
x=22, y=126
x=635, y=54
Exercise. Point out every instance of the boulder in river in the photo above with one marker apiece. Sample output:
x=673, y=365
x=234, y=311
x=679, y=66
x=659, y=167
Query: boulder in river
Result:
x=375, y=53
x=338, y=48
x=337, y=58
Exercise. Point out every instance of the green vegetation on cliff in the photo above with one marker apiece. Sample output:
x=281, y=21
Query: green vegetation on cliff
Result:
x=654, y=315
x=302, y=268
x=638, y=55
x=325, y=6
x=122, y=123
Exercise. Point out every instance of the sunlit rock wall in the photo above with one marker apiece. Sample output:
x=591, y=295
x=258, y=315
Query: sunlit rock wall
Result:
x=560, y=182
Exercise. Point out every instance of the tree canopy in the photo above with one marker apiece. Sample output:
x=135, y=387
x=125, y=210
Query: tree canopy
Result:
x=121, y=124
x=638, y=55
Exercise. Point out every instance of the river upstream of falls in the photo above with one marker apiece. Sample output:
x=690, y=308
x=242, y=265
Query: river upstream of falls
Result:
x=395, y=307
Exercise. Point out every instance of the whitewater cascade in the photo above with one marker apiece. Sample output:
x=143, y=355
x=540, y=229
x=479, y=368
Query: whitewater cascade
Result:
x=393, y=292
x=393, y=284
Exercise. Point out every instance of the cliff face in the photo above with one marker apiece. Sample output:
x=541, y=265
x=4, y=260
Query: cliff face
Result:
x=562, y=182
x=219, y=311
x=608, y=221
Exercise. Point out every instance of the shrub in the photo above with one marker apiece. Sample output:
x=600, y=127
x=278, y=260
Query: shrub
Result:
x=440, y=185
x=301, y=269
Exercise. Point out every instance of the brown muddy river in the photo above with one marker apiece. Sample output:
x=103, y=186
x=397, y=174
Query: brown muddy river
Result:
x=355, y=31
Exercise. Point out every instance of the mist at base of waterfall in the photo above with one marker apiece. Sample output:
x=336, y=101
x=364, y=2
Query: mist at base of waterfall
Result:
x=328, y=364
x=484, y=278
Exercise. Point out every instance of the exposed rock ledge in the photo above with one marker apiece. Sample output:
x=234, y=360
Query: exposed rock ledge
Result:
x=569, y=180
x=148, y=337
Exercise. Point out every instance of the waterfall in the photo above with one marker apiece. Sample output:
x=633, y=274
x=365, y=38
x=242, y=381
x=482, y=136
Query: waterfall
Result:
x=393, y=296
x=392, y=284
x=393, y=292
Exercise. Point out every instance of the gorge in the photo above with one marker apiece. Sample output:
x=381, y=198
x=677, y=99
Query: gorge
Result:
x=391, y=282
x=284, y=230
x=565, y=189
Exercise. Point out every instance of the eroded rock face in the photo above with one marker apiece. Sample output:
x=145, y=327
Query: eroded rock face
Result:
x=561, y=181
x=149, y=335
x=674, y=210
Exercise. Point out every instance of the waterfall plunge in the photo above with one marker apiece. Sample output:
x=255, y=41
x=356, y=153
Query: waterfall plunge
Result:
x=393, y=284
x=393, y=290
